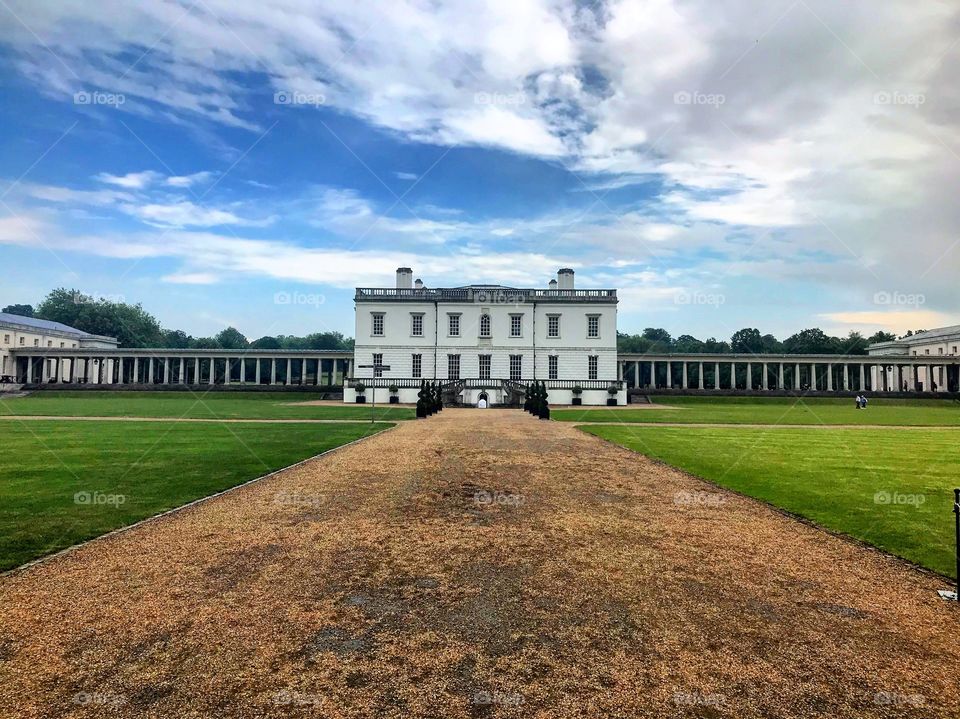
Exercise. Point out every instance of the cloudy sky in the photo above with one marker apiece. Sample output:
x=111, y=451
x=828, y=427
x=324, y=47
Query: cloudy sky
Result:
x=772, y=164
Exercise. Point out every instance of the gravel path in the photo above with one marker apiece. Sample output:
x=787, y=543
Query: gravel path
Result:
x=477, y=564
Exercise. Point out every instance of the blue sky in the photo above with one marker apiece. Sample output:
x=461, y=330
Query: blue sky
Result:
x=226, y=163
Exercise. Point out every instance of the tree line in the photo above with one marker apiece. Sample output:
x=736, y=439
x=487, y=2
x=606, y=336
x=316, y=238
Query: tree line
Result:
x=656, y=340
x=133, y=326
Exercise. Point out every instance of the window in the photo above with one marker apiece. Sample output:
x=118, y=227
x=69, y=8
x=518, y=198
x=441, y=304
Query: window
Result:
x=377, y=328
x=516, y=325
x=939, y=350
x=553, y=325
x=516, y=367
x=954, y=349
x=592, y=367
x=484, y=325
x=36, y=343
x=63, y=344
x=416, y=325
x=453, y=366
x=417, y=370
x=593, y=326
x=21, y=340
x=484, y=366
x=49, y=343
x=377, y=368
x=552, y=363
x=453, y=325
x=6, y=339
x=926, y=352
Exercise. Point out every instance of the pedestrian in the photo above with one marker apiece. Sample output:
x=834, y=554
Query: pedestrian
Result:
x=858, y=399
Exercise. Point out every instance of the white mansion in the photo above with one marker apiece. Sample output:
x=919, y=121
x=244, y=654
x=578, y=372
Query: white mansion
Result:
x=474, y=340
x=482, y=338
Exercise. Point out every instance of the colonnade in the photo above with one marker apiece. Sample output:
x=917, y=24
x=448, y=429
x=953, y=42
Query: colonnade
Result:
x=719, y=372
x=158, y=369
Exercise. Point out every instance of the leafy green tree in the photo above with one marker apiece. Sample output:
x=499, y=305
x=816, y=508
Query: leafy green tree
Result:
x=881, y=336
x=266, y=343
x=205, y=343
x=771, y=345
x=130, y=324
x=715, y=346
x=811, y=341
x=747, y=341
x=687, y=343
x=21, y=310
x=177, y=339
x=232, y=339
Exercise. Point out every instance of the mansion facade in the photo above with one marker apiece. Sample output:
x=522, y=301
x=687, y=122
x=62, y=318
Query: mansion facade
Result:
x=485, y=339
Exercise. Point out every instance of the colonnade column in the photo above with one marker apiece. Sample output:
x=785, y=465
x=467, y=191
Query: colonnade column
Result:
x=765, y=383
x=796, y=376
x=733, y=375
x=636, y=373
x=862, y=377
x=846, y=378
x=256, y=375
x=273, y=370
x=685, y=382
x=288, y=369
x=780, y=384
x=750, y=375
x=166, y=370
x=700, y=376
x=653, y=374
x=669, y=375
x=716, y=375
x=213, y=366
x=829, y=377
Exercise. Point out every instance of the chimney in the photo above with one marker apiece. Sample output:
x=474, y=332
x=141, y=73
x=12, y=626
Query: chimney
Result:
x=565, y=279
x=418, y=285
x=552, y=285
x=404, y=278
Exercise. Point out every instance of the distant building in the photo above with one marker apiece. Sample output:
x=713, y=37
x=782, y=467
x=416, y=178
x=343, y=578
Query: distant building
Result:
x=941, y=342
x=21, y=333
x=485, y=337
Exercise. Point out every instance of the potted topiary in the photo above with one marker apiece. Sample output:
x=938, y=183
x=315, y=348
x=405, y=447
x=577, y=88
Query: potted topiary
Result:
x=394, y=394
x=612, y=399
x=577, y=391
x=422, y=409
x=544, y=412
x=360, y=389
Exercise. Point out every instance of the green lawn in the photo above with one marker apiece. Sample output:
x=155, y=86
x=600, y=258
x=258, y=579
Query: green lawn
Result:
x=837, y=478
x=195, y=405
x=775, y=410
x=153, y=466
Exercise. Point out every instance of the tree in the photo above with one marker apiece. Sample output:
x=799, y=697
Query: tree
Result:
x=21, y=310
x=881, y=336
x=811, y=341
x=688, y=343
x=177, y=339
x=714, y=346
x=747, y=341
x=130, y=324
x=232, y=339
x=205, y=343
x=266, y=343
x=771, y=344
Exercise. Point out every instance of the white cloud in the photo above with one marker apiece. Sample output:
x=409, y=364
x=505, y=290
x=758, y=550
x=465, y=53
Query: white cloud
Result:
x=132, y=180
x=188, y=214
x=189, y=180
x=406, y=175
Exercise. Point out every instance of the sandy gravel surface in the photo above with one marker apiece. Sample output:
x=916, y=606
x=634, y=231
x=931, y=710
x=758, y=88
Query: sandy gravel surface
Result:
x=477, y=564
